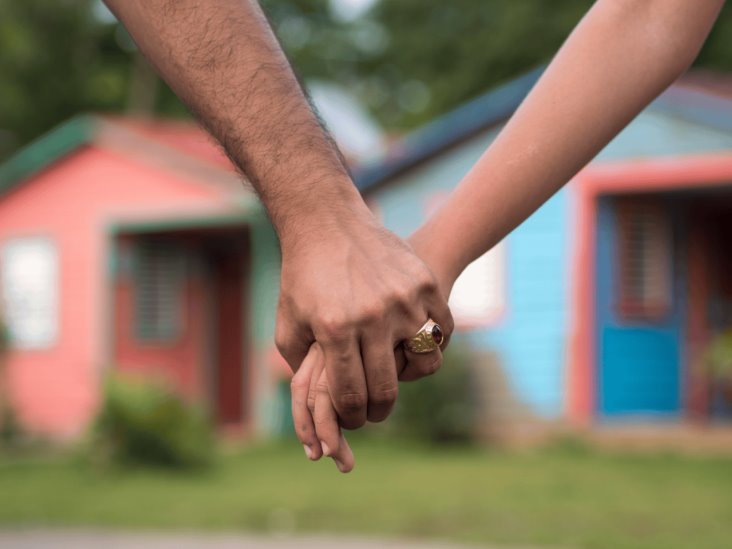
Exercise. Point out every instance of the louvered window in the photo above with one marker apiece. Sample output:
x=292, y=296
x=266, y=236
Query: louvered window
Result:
x=645, y=259
x=159, y=290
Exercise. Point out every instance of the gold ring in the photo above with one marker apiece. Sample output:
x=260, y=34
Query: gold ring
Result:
x=427, y=339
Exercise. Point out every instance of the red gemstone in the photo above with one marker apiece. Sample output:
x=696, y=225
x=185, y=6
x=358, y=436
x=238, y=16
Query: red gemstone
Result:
x=437, y=334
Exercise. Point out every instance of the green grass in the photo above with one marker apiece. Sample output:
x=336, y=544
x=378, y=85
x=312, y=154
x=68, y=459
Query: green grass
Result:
x=564, y=498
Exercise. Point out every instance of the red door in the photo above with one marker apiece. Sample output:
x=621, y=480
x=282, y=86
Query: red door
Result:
x=228, y=335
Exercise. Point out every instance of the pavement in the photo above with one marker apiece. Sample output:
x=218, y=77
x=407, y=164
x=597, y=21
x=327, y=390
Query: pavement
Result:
x=94, y=539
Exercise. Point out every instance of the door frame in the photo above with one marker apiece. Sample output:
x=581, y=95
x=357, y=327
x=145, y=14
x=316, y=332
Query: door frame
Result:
x=627, y=177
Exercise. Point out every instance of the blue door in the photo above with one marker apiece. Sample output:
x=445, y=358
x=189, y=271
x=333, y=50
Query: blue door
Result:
x=639, y=310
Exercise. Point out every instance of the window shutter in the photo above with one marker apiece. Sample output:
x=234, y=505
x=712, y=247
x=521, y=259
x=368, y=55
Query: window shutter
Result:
x=645, y=259
x=159, y=290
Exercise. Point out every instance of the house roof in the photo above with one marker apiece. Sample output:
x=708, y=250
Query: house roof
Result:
x=700, y=97
x=171, y=144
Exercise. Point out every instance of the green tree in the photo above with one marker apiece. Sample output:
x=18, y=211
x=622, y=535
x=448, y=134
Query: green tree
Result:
x=411, y=60
x=59, y=58
x=55, y=60
x=407, y=60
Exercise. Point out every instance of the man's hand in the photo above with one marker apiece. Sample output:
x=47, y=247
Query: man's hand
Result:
x=359, y=291
x=316, y=420
x=346, y=282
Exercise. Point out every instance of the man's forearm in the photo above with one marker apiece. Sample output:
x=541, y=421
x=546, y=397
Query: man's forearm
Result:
x=619, y=58
x=222, y=59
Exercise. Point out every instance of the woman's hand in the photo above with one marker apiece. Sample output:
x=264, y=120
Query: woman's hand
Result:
x=315, y=417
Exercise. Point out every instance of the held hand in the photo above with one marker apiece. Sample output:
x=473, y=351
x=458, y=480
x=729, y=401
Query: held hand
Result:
x=359, y=291
x=315, y=417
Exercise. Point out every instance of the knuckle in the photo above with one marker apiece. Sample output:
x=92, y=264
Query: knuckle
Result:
x=407, y=294
x=403, y=298
x=324, y=421
x=321, y=388
x=426, y=284
x=334, y=329
x=385, y=395
x=371, y=314
x=429, y=367
x=298, y=384
x=303, y=431
x=353, y=423
x=351, y=402
x=282, y=342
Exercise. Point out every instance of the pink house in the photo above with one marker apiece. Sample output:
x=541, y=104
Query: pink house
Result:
x=133, y=244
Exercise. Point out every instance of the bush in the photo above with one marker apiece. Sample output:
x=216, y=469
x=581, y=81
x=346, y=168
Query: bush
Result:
x=4, y=338
x=11, y=431
x=442, y=408
x=145, y=423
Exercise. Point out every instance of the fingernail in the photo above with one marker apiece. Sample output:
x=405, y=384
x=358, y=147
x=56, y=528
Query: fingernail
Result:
x=341, y=466
x=326, y=450
x=308, y=451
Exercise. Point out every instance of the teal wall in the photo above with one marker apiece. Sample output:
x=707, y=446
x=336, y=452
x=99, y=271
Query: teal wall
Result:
x=656, y=133
x=271, y=414
x=530, y=339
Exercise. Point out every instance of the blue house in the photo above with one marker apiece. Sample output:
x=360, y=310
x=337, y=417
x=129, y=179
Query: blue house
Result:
x=601, y=305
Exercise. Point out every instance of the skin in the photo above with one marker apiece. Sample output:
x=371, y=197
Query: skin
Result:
x=347, y=282
x=620, y=57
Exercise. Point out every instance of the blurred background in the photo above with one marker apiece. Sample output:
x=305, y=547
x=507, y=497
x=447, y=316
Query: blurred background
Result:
x=586, y=399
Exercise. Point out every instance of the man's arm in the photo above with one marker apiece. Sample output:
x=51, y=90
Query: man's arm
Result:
x=221, y=58
x=621, y=56
x=346, y=282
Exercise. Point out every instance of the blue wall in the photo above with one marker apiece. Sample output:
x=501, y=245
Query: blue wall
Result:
x=532, y=339
x=640, y=369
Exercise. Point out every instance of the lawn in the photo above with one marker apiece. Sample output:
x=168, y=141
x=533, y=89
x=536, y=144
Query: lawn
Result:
x=559, y=497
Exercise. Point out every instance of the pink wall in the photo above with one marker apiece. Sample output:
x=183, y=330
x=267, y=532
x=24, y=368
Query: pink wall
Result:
x=178, y=361
x=74, y=202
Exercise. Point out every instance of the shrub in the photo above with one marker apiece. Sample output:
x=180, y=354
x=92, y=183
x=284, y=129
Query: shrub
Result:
x=442, y=408
x=145, y=423
x=11, y=431
x=4, y=338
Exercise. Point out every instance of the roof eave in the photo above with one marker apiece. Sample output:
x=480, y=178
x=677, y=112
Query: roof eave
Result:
x=462, y=123
x=47, y=149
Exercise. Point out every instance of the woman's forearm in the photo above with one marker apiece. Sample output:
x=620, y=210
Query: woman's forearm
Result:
x=621, y=56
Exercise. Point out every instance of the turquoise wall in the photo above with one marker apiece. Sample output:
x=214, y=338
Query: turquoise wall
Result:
x=531, y=337
x=270, y=406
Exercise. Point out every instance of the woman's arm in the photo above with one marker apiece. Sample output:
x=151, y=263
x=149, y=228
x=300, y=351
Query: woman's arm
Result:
x=621, y=56
x=618, y=59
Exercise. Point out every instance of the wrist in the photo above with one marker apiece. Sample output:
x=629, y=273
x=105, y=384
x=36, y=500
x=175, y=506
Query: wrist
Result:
x=431, y=246
x=321, y=213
